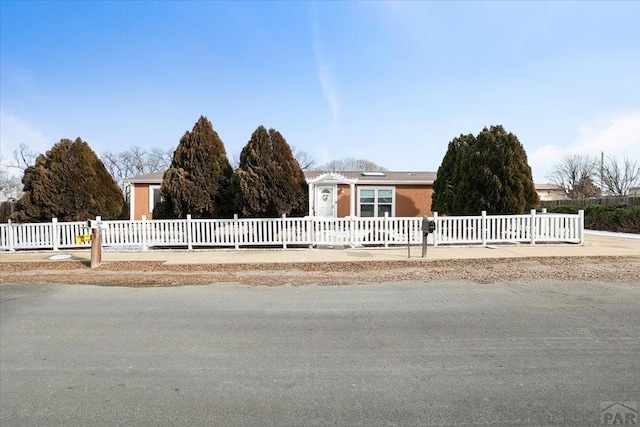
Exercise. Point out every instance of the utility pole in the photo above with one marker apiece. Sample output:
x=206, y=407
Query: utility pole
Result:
x=601, y=173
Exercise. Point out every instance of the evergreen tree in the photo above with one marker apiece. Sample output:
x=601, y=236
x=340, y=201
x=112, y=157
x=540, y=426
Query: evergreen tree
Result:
x=70, y=183
x=444, y=194
x=197, y=182
x=487, y=173
x=269, y=181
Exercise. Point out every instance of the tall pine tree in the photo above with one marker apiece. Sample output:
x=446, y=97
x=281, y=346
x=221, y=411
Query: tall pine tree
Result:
x=444, y=191
x=69, y=183
x=197, y=182
x=489, y=172
x=269, y=181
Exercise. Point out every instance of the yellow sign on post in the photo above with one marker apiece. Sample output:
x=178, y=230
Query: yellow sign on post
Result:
x=85, y=238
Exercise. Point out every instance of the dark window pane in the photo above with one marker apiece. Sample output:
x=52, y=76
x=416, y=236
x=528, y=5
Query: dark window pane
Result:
x=366, y=210
x=384, y=208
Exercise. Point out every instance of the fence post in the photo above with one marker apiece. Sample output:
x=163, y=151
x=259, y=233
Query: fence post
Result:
x=236, y=231
x=54, y=234
x=386, y=229
x=282, y=231
x=436, y=234
x=581, y=225
x=144, y=232
x=352, y=231
x=10, y=240
x=533, y=226
x=483, y=228
x=189, y=236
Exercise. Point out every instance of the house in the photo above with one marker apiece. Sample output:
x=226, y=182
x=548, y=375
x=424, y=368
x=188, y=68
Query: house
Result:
x=370, y=194
x=550, y=192
x=144, y=194
x=331, y=194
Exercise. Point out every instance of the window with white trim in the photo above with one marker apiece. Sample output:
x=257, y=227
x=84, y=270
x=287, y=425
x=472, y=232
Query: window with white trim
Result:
x=376, y=201
x=154, y=196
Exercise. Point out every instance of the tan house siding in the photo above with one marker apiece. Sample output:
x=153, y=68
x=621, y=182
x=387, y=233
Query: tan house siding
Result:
x=410, y=200
x=550, y=192
x=413, y=200
x=141, y=201
x=344, y=193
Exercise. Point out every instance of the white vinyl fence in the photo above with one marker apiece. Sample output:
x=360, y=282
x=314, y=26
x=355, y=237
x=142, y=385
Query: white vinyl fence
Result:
x=295, y=232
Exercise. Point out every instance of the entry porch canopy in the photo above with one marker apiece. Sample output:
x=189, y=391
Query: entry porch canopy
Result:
x=334, y=179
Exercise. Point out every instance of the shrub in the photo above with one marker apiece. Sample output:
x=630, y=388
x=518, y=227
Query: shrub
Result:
x=618, y=219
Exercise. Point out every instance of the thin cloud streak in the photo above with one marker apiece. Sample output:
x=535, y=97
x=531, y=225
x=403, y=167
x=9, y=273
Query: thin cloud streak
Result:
x=326, y=77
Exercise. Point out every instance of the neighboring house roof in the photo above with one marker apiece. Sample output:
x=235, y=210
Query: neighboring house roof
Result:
x=548, y=187
x=148, y=178
x=383, y=177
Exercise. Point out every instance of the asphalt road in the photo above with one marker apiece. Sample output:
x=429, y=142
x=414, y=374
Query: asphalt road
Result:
x=439, y=353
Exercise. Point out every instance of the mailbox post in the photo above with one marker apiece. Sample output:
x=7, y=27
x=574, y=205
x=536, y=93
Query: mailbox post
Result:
x=427, y=227
x=96, y=242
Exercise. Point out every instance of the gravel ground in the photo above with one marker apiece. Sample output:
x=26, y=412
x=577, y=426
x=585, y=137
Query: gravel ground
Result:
x=155, y=274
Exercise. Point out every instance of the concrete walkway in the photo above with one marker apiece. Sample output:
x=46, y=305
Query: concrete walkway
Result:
x=596, y=244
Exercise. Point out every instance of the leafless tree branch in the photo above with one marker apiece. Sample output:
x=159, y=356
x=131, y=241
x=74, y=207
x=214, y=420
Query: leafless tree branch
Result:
x=619, y=178
x=576, y=174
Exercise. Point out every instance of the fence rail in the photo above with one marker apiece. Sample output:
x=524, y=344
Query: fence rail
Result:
x=606, y=201
x=308, y=231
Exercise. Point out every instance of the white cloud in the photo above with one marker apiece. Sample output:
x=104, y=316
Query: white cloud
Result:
x=15, y=131
x=615, y=137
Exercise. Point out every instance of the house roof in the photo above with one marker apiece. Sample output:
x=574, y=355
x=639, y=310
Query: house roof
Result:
x=148, y=178
x=384, y=177
x=548, y=187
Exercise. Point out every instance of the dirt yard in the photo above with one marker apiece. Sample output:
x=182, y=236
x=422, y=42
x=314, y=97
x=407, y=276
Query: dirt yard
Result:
x=152, y=274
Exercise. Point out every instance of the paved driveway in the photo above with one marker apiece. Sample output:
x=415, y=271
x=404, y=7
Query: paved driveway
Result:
x=390, y=354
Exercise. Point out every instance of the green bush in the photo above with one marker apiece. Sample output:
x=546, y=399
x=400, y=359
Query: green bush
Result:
x=565, y=209
x=619, y=219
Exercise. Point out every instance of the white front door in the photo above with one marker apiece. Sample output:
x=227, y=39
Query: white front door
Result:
x=326, y=201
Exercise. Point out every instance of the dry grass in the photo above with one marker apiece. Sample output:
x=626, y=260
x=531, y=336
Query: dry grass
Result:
x=152, y=274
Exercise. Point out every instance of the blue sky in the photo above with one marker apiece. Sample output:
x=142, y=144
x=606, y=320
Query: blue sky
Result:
x=392, y=82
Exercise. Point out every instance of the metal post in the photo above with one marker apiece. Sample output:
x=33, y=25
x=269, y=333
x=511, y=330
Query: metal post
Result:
x=425, y=232
x=424, y=244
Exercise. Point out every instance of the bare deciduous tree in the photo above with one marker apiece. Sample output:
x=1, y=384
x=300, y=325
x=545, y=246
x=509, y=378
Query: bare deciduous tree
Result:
x=11, y=172
x=24, y=157
x=305, y=160
x=135, y=161
x=351, y=164
x=576, y=174
x=619, y=178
